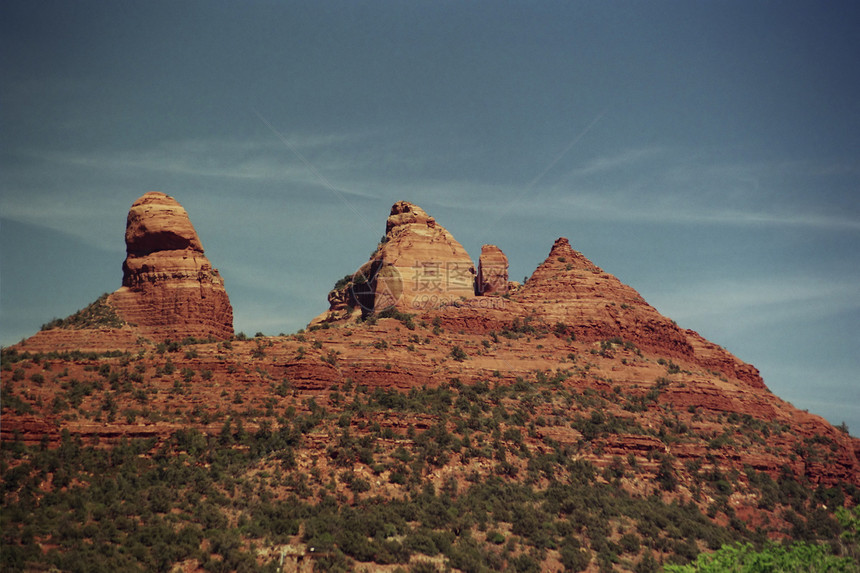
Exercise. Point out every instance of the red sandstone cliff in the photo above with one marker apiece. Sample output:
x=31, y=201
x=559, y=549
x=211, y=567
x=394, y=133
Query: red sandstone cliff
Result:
x=492, y=272
x=169, y=287
x=418, y=265
x=571, y=328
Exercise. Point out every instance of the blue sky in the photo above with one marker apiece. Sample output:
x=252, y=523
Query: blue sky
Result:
x=706, y=153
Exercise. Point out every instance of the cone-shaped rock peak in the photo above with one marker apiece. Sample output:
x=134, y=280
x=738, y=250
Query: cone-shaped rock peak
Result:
x=433, y=267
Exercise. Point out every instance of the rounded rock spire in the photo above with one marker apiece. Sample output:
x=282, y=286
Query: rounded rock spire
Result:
x=169, y=288
x=157, y=222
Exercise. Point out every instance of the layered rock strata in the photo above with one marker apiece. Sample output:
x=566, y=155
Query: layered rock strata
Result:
x=432, y=267
x=590, y=345
x=492, y=272
x=417, y=266
x=568, y=289
x=169, y=287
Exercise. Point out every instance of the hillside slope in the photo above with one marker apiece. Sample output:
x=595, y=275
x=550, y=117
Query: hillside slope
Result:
x=564, y=426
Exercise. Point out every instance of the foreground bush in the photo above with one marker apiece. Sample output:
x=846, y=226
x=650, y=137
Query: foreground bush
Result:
x=743, y=558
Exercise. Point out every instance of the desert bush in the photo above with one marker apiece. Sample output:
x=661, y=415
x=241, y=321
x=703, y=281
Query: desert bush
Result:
x=772, y=557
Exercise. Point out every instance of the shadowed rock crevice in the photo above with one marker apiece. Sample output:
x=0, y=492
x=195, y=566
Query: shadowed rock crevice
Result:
x=492, y=276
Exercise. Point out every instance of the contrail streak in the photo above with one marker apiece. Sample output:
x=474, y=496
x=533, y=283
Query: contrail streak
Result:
x=552, y=164
x=322, y=178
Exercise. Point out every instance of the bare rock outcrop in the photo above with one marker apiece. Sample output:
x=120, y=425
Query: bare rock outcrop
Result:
x=569, y=289
x=433, y=267
x=572, y=330
x=169, y=288
x=417, y=266
x=492, y=272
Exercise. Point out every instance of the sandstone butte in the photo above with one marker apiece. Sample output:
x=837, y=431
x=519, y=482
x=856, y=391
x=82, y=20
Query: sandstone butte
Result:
x=169, y=288
x=418, y=264
x=571, y=330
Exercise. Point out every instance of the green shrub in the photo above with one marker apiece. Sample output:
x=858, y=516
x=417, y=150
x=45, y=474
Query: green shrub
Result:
x=458, y=354
x=98, y=314
x=574, y=557
x=805, y=557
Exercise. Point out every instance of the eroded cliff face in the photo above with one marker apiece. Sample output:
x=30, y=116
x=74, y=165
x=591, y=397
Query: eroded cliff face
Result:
x=433, y=268
x=492, y=272
x=418, y=265
x=587, y=344
x=592, y=304
x=169, y=287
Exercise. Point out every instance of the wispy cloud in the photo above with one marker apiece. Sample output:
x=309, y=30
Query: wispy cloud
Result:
x=620, y=161
x=645, y=184
x=652, y=185
x=86, y=193
x=237, y=159
x=629, y=205
x=660, y=186
x=94, y=222
x=649, y=185
x=759, y=301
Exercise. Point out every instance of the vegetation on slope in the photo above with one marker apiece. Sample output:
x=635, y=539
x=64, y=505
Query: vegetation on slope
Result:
x=98, y=314
x=245, y=468
x=220, y=500
x=744, y=558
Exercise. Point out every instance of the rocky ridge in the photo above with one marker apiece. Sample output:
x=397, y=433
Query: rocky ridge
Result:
x=570, y=304
x=574, y=364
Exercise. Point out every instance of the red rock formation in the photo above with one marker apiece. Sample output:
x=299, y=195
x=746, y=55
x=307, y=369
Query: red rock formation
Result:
x=492, y=272
x=568, y=288
x=433, y=267
x=418, y=265
x=567, y=329
x=169, y=288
